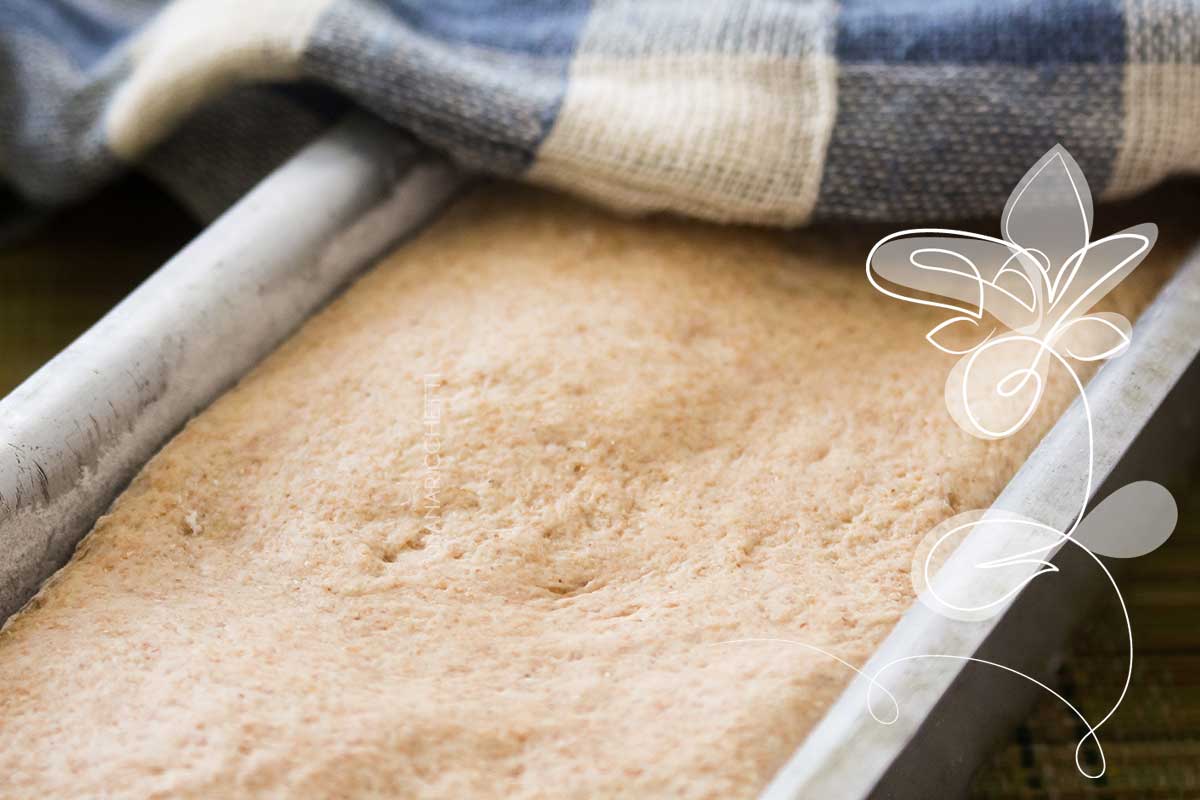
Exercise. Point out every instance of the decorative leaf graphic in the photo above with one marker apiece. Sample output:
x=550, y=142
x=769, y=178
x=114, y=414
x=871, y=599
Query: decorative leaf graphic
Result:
x=1094, y=270
x=963, y=330
x=1049, y=213
x=1095, y=337
x=971, y=274
x=1018, y=285
x=1132, y=521
x=1016, y=554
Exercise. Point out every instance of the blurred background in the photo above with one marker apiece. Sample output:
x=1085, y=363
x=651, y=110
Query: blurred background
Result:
x=59, y=277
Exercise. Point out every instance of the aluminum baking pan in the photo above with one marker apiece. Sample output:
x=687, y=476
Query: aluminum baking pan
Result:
x=76, y=432
x=1146, y=426
x=79, y=429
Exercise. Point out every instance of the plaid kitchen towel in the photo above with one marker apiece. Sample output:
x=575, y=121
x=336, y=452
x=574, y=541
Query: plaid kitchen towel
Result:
x=762, y=111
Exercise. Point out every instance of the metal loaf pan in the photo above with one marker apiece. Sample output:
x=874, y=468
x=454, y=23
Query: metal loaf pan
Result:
x=78, y=430
x=1146, y=427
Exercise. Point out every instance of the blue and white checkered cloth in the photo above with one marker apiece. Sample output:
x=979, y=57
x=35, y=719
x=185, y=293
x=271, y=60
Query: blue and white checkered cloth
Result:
x=760, y=111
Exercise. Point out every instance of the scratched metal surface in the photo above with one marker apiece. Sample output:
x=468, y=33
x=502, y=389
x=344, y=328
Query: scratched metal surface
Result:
x=1146, y=420
x=74, y=434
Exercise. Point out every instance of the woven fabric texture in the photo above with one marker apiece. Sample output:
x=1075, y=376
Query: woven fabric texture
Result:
x=759, y=111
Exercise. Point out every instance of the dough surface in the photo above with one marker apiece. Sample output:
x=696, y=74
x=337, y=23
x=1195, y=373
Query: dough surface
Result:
x=484, y=527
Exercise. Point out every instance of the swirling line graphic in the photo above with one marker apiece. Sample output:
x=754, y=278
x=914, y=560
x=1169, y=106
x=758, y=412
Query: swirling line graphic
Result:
x=1022, y=306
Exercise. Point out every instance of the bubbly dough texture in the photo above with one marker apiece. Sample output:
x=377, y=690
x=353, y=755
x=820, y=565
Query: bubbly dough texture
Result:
x=481, y=528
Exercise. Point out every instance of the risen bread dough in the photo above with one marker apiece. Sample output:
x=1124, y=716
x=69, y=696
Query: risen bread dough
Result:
x=481, y=528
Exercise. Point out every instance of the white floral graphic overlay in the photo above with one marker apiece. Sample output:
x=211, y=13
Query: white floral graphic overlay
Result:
x=1020, y=301
x=1021, y=307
